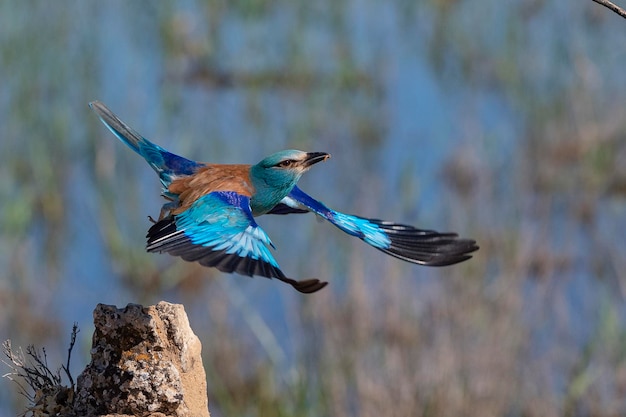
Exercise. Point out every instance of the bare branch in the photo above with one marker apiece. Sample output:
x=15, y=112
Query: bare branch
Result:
x=37, y=382
x=613, y=7
x=66, y=367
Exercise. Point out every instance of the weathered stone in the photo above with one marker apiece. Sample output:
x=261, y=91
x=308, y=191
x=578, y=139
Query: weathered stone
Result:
x=144, y=362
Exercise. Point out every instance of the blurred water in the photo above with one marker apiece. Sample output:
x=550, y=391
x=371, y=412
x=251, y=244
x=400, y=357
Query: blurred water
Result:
x=396, y=92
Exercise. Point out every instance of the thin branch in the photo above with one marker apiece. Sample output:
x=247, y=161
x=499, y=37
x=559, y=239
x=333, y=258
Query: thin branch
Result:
x=613, y=7
x=66, y=368
x=37, y=382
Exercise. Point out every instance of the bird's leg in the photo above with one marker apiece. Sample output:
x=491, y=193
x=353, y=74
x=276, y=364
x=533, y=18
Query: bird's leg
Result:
x=166, y=209
x=173, y=203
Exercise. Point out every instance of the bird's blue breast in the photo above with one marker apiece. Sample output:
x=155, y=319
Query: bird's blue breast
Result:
x=271, y=186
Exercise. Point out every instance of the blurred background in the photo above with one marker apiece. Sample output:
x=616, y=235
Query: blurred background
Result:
x=502, y=121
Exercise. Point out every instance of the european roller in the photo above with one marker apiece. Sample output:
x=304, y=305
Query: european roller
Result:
x=209, y=216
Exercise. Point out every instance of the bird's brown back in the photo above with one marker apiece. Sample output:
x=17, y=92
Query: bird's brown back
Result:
x=209, y=178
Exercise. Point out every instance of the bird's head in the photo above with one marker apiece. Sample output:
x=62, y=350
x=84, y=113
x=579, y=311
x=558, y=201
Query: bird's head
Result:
x=292, y=162
x=283, y=169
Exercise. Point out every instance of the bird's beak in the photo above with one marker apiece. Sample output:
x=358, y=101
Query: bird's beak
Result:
x=314, y=158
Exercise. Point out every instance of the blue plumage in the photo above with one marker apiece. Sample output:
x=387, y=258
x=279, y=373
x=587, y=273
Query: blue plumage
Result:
x=424, y=247
x=218, y=230
x=209, y=217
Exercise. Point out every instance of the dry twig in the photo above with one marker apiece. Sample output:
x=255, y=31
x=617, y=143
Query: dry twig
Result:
x=41, y=386
x=613, y=7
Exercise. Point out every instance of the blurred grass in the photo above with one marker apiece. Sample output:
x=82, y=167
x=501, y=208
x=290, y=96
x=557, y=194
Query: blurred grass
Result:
x=533, y=168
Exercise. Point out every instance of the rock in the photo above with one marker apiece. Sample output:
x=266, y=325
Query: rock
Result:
x=144, y=362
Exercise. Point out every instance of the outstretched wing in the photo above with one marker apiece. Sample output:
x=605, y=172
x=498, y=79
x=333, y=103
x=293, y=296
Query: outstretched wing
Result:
x=424, y=247
x=218, y=230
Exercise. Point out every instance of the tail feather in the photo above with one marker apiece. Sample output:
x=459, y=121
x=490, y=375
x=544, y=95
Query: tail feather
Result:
x=120, y=129
x=165, y=163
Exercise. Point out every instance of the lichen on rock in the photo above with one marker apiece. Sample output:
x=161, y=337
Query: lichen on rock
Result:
x=144, y=361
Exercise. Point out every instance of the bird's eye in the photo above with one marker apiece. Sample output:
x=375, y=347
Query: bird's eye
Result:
x=286, y=163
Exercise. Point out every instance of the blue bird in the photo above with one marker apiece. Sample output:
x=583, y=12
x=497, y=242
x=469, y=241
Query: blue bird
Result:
x=209, y=216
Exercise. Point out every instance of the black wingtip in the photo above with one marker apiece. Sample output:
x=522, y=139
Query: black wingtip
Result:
x=458, y=251
x=446, y=261
x=425, y=247
x=307, y=286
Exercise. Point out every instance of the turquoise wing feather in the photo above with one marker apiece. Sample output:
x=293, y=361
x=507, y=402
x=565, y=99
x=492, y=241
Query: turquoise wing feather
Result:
x=218, y=230
x=419, y=246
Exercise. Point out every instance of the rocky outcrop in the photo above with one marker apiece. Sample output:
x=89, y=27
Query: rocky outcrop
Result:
x=145, y=361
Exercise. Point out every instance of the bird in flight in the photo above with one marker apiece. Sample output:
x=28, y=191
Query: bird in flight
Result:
x=209, y=216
